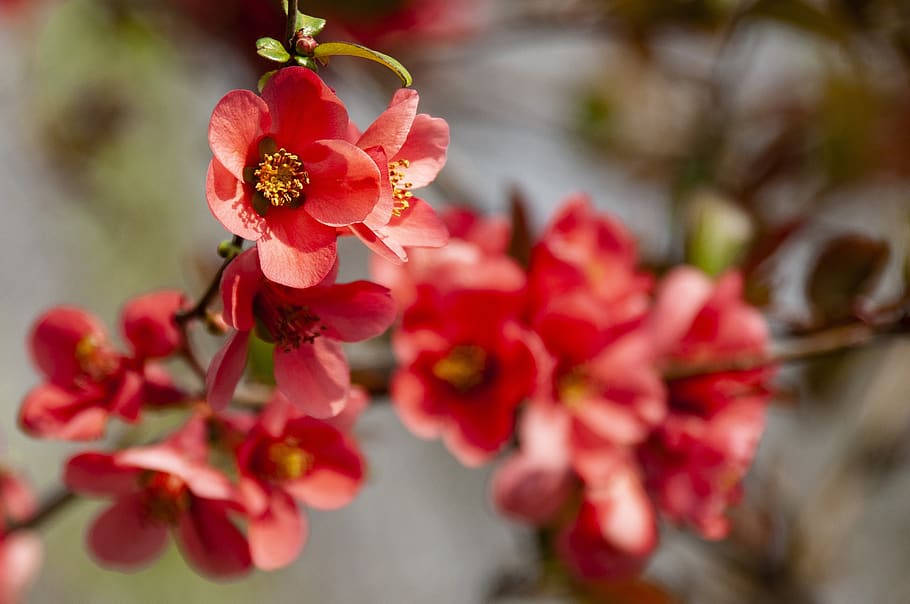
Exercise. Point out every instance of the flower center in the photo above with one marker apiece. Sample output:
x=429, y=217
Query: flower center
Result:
x=295, y=325
x=400, y=190
x=463, y=368
x=280, y=178
x=166, y=497
x=572, y=387
x=95, y=359
x=287, y=461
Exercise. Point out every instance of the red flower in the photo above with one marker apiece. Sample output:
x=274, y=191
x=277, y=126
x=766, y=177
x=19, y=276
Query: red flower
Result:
x=468, y=364
x=587, y=252
x=615, y=530
x=610, y=386
x=288, y=457
x=476, y=242
x=696, y=461
x=87, y=380
x=410, y=150
x=534, y=484
x=157, y=490
x=307, y=327
x=20, y=551
x=285, y=176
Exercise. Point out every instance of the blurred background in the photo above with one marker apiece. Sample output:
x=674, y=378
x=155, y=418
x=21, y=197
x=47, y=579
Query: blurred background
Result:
x=771, y=134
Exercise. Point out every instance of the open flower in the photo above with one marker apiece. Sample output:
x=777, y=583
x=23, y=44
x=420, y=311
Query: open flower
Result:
x=467, y=364
x=156, y=490
x=307, y=327
x=410, y=150
x=288, y=458
x=284, y=175
x=87, y=379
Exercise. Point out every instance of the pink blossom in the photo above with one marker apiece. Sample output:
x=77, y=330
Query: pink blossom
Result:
x=307, y=327
x=466, y=366
x=87, y=379
x=156, y=490
x=410, y=150
x=284, y=175
x=288, y=458
x=696, y=461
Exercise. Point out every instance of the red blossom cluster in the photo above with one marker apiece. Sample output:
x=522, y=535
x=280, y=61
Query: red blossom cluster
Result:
x=575, y=346
x=291, y=173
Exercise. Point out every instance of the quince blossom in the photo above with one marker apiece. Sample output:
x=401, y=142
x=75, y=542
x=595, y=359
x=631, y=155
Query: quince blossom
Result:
x=87, y=380
x=307, y=327
x=284, y=175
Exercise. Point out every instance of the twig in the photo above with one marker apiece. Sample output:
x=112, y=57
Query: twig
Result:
x=48, y=509
x=199, y=309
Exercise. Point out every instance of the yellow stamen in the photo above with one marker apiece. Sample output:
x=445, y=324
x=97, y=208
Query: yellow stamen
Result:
x=280, y=178
x=288, y=460
x=400, y=190
x=572, y=388
x=463, y=368
x=94, y=358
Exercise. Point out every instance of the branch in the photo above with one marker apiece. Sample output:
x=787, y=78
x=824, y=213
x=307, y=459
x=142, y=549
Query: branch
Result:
x=49, y=508
x=823, y=342
x=291, y=27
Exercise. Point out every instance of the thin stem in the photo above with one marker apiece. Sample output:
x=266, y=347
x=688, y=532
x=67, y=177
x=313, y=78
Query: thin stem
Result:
x=199, y=309
x=291, y=27
x=48, y=509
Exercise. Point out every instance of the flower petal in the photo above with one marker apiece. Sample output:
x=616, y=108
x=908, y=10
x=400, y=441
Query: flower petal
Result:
x=353, y=311
x=240, y=118
x=297, y=251
x=226, y=369
x=418, y=226
x=303, y=109
x=277, y=535
x=122, y=538
x=390, y=129
x=148, y=323
x=425, y=150
x=230, y=203
x=20, y=560
x=315, y=377
x=54, y=338
x=51, y=412
x=239, y=286
x=344, y=182
x=99, y=474
x=210, y=541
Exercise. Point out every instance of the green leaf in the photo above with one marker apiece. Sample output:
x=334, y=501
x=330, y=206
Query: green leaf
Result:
x=309, y=26
x=272, y=49
x=264, y=79
x=356, y=50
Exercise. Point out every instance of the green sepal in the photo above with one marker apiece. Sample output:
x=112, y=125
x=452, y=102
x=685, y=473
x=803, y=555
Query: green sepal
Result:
x=261, y=360
x=264, y=79
x=350, y=49
x=273, y=50
x=307, y=62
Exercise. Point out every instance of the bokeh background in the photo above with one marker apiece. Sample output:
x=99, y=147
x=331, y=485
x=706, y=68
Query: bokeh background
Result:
x=774, y=134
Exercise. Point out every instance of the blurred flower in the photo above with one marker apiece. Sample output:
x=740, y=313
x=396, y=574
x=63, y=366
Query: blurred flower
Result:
x=695, y=462
x=157, y=489
x=21, y=551
x=87, y=380
x=284, y=175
